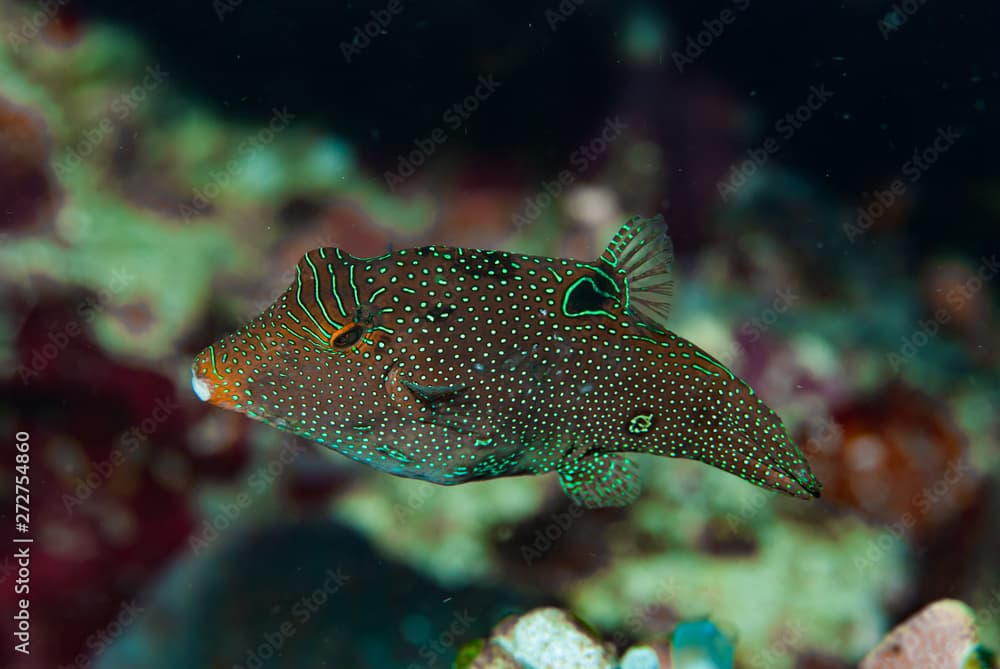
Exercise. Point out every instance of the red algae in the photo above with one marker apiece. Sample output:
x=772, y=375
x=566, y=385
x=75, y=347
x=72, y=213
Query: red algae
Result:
x=27, y=187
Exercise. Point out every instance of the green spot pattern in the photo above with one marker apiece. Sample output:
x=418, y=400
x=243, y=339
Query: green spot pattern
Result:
x=469, y=366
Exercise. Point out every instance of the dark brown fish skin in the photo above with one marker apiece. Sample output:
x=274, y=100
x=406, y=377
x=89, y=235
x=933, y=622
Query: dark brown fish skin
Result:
x=452, y=365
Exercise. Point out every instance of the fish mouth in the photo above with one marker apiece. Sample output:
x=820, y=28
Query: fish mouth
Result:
x=796, y=481
x=808, y=485
x=207, y=389
x=211, y=386
x=201, y=387
x=782, y=467
x=779, y=465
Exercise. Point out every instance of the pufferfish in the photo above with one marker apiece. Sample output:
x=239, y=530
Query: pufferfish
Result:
x=453, y=365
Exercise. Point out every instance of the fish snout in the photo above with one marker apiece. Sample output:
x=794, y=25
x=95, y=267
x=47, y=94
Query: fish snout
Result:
x=211, y=384
x=809, y=485
x=788, y=467
x=778, y=464
x=201, y=386
x=790, y=473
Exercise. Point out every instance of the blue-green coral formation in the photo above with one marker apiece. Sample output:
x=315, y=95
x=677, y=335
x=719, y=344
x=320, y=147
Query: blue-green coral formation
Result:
x=746, y=589
x=699, y=643
x=123, y=256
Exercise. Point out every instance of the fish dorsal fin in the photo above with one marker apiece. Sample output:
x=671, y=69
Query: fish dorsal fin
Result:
x=642, y=256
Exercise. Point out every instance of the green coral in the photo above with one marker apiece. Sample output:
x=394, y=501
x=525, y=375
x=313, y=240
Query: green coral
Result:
x=126, y=257
x=445, y=531
x=468, y=653
x=797, y=575
x=158, y=267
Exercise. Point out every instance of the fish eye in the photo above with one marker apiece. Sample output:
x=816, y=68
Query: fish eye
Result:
x=347, y=336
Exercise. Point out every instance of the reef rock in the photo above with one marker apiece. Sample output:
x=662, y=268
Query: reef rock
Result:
x=940, y=636
x=545, y=638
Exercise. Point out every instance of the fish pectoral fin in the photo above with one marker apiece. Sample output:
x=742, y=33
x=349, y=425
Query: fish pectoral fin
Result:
x=600, y=480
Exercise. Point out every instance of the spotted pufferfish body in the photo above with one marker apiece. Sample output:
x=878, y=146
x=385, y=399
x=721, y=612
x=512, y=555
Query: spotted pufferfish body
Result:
x=452, y=365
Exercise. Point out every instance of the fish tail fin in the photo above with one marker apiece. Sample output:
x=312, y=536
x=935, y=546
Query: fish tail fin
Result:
x=642, y=257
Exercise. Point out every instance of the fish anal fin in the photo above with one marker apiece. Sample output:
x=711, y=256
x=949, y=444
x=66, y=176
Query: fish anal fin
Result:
x=643, y=257
x=600, y=480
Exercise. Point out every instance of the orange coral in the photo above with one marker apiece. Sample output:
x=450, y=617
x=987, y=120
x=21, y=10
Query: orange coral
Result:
x=898, y=459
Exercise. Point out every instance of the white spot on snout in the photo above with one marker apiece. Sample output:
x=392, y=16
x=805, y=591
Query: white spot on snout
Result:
x=200, y=387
